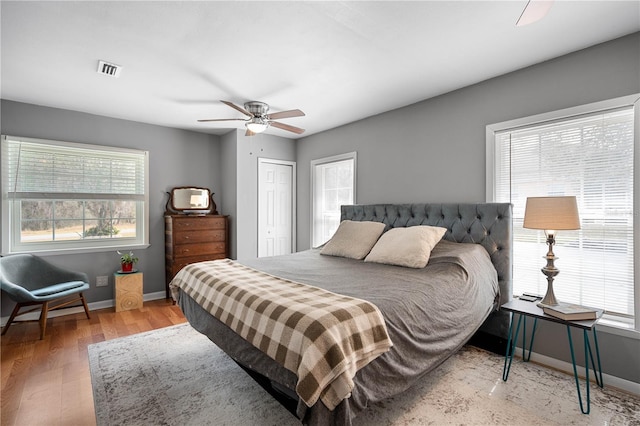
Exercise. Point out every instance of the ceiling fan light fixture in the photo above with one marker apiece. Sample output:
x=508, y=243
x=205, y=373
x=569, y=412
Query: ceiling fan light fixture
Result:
x=257, y=125
x=259, y=120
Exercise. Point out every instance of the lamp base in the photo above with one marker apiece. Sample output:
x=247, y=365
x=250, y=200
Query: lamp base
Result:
x=549, y=298
x=550, y=271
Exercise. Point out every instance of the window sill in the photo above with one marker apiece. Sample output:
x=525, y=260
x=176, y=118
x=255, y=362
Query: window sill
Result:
x=45, y=253
x=618, y=328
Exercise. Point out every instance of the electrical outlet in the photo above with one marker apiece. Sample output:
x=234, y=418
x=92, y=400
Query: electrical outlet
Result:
x=102, y=281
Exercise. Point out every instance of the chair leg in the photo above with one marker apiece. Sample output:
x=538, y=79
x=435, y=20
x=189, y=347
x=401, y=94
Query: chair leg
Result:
x=11, y=317
x=84, y=303
x=43, y=319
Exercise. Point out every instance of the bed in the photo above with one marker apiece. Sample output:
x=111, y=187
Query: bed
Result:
x=429, y=312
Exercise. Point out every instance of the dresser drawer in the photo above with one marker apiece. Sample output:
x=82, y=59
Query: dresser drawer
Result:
x=190, y=239
x=182, y=262
x=199, y=236
x=183, y=250
x=197, y=223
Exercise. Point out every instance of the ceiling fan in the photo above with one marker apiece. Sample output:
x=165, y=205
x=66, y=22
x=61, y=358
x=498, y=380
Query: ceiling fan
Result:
x=259, y=117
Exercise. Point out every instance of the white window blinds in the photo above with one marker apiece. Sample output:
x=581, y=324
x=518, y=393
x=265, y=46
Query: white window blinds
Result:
x=41, y=169
x=67, y=196
x=589, y=156
x=333, y=184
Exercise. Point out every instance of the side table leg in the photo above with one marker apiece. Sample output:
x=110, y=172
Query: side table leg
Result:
x=511, y=347
x=575, y=370
x=598, y=372
x=533, y=334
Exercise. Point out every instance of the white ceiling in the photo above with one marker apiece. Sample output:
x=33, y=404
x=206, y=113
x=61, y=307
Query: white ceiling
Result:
x=337, y=61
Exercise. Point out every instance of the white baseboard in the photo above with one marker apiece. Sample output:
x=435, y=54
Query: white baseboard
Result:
x=613, y=381
x=93, y=306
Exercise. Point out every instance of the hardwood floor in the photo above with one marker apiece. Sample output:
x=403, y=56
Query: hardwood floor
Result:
x=47, y=382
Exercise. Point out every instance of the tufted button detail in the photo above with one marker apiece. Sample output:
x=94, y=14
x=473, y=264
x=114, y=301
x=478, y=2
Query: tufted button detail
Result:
x=464, y=223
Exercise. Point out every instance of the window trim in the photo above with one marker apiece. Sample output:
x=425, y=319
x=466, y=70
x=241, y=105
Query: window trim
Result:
x=620, y=102
x=67, y=247
x=326, y=160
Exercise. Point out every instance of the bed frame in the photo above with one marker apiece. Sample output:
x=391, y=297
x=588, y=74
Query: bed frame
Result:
x=488, y=224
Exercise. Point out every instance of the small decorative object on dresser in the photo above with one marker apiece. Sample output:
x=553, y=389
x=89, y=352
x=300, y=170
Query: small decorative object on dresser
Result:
x=191, y=238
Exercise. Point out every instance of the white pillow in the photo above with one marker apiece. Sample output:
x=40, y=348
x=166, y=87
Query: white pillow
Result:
x=410, y=247
x=353, y=239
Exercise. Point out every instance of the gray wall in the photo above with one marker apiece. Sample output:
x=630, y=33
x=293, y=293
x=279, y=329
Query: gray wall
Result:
x=434, y=151
x=249, y=149
x=239, y=167
x=176, y=158
x=229, y=169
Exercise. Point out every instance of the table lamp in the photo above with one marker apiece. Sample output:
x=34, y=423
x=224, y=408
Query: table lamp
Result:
x=551, y=214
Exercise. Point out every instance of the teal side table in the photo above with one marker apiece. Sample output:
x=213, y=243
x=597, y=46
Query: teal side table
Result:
x=526, y=309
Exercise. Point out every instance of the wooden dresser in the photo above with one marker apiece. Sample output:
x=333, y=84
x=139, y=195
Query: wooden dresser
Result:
x=190, y=239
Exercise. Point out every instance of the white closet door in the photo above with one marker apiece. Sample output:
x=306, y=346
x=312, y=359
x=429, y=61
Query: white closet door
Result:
x=275, y=205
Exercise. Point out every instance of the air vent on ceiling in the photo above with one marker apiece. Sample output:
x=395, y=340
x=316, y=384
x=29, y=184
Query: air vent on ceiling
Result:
x=109, y=69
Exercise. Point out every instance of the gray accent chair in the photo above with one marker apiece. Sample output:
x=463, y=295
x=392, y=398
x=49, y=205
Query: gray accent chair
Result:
x=30, y=280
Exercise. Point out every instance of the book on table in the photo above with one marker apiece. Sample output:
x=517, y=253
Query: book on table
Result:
x=570, y=311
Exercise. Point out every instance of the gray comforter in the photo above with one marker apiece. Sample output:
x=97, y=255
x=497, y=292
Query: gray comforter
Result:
x=430, y=313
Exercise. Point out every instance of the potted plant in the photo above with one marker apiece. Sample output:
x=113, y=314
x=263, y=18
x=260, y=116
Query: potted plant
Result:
x=127, y=260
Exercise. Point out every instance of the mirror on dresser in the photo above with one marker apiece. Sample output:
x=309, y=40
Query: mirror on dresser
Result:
x=193, y=230
x=191, y=200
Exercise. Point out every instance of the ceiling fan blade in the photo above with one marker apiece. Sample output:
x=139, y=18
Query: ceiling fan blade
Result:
x=249, y=133
x=534, y=11
x=286, y=114
x=287, y=127
x=237, y=108
x=222, y=119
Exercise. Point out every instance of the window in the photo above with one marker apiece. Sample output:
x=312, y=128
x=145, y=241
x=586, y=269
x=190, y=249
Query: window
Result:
x=333, y=184
x=587, y=152
x=60, y=196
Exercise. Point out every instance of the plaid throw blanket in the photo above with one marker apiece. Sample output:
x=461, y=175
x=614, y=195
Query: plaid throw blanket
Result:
x=321, y=336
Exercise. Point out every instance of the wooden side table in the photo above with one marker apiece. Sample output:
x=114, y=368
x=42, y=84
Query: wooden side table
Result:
x=128, y=291
x=526, y=309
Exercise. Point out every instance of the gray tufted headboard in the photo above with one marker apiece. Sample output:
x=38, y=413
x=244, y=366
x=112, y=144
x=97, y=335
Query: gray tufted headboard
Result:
x=489, y=224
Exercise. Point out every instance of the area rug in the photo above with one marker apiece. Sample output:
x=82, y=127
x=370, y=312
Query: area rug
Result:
x=176, y=376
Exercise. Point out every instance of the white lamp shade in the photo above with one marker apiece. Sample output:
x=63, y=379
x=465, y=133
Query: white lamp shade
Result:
x=551, y=213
